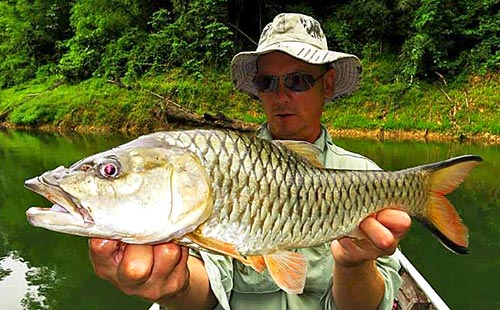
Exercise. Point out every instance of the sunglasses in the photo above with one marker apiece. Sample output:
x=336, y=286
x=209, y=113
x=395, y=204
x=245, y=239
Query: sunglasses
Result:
x=296, y=81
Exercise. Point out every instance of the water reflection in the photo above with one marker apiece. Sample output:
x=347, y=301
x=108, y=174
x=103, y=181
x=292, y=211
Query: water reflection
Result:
x=17, y=284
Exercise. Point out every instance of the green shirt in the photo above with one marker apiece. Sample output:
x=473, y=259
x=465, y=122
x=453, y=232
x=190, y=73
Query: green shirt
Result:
x=237, y=286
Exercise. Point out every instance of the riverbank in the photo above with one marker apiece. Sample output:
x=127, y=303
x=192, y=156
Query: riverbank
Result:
x=417, y=135
x=378, y=135
x=465, y=110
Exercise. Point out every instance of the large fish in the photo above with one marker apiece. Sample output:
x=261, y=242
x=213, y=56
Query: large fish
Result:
x=241, y=196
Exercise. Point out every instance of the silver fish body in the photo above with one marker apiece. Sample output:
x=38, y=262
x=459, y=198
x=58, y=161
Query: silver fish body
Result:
x=238, y=195
x=267, y=197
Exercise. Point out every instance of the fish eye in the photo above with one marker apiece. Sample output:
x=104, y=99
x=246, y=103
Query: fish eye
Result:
x=109, y=170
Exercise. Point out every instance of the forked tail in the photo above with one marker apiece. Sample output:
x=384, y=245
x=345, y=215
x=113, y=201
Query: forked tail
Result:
x=439, y=216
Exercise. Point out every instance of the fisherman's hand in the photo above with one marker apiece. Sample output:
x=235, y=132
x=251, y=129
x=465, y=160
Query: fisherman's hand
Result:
x=150, y=272
x=382, y=232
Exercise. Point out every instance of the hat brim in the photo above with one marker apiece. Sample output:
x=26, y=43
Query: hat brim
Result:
x=347, y=66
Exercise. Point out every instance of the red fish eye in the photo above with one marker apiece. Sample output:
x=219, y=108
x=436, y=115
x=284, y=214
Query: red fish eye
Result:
x=109, y=170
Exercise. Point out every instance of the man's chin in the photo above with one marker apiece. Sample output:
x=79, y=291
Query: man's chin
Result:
x=285, y=133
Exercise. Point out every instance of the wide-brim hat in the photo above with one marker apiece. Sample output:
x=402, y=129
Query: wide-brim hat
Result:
x=299, y=36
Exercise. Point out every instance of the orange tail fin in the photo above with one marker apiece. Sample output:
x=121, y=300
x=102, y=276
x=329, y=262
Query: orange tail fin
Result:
x=439, y=216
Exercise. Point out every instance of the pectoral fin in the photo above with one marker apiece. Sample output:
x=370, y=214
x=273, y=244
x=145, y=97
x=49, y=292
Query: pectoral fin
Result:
x=218, y=246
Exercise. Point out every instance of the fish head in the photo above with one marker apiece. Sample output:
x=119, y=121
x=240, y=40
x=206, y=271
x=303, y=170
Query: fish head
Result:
x=134, y=194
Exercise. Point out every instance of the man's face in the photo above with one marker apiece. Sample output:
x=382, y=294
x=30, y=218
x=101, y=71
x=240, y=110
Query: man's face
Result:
x=294, y=115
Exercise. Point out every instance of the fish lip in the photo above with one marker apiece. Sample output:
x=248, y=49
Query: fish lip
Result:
x=55, y=194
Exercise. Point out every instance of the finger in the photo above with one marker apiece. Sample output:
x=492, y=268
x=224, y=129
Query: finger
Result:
x=174, y=258
x=102, y=248
x=180, y=270
x=396, y=221
x=349, y=245
x=380, y=236
x=348, y=253
x=167, y=256
x=169, y=274
x=136, y=265
x=102, y=254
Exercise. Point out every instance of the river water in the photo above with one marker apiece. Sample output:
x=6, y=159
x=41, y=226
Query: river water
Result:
x=40, y=269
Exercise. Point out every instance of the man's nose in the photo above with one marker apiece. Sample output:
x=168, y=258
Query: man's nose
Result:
x=282, y=92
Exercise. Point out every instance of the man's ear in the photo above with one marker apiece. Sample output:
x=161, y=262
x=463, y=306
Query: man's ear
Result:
x=329, y=83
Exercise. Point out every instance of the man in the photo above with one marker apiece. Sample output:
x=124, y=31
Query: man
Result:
x=293, y=73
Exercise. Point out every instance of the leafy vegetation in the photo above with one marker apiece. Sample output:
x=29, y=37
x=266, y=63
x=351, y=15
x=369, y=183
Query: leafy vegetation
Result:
x=460, y=108
x=429, y=65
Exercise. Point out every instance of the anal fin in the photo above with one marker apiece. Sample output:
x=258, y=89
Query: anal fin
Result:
x=288, y=269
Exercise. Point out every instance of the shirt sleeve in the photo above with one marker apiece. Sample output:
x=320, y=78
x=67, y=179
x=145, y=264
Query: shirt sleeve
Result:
x=388, y=266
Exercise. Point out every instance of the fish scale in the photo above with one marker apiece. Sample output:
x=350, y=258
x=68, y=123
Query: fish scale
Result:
x=243, y=200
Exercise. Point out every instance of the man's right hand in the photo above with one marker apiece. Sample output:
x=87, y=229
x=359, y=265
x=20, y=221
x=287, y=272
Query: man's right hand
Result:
x=158, y=272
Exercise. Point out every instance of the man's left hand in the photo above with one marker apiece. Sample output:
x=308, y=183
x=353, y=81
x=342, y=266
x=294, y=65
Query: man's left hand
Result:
x=382, y=233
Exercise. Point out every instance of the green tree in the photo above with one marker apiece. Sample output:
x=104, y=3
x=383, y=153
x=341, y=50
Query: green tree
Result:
x=190, y=35
x=16, y=63
x=30, y=33
x=480, y=25
x=96, y=23
x=452, y=37
x=129, y=38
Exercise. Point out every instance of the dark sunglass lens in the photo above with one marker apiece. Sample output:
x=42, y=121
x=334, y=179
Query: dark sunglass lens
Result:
x=299, y=82
x=265, y=83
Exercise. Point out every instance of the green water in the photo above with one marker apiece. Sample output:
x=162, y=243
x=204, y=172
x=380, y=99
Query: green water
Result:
x=464, y=282
x=46, y=270
x=42, y=269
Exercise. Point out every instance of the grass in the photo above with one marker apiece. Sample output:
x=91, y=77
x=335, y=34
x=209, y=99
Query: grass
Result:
x=468, y=107
x=457, y=108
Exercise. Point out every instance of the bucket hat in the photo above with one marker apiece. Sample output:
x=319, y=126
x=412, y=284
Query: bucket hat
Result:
x=299, y=36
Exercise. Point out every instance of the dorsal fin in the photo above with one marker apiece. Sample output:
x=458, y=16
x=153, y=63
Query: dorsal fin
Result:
x=305, y=149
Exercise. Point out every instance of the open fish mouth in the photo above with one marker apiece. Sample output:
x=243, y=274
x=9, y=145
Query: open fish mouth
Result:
x=65, y=211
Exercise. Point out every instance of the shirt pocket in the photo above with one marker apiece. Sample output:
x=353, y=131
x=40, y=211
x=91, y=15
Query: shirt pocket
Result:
x=319, y=270
x=246, y=280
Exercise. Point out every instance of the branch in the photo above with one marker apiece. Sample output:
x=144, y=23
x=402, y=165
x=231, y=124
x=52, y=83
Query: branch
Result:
x=175, y=113
x=243, y=33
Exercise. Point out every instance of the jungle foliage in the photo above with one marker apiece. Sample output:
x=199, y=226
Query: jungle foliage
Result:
x=81, y=39
x=108, y=62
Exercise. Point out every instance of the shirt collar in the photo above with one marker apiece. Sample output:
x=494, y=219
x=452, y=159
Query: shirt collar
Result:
x=321, y=143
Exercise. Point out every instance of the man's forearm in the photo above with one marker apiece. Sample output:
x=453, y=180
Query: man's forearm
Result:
x=359, y=287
